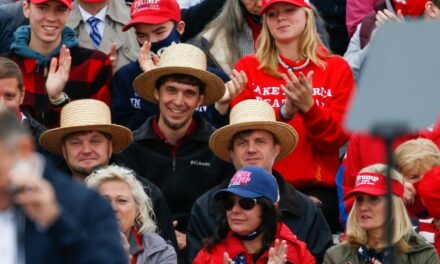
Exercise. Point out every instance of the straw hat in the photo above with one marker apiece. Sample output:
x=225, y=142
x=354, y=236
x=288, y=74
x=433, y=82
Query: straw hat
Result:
x=181, y=59
x=253, y=115
x=86, y=115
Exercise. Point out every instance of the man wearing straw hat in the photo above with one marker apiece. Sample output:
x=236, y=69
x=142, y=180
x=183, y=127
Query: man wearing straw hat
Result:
x=87, y=139
x=171, y=148
x=254, y=137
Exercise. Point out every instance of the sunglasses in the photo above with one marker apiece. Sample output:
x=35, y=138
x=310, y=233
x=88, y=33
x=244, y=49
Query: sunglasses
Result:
x=245, y=203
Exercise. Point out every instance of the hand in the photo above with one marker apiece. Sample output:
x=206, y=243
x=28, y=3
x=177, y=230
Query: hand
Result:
x=35, y=195
x=232, y=88
x=181, y=237
x=227, y=259
x=58, y=74
x=277, y=253
x=146, y=61
x=113, y=57
x=375, y=261
x=409, y=193
x=299, y=92
x=385, y=16
x=126, y=246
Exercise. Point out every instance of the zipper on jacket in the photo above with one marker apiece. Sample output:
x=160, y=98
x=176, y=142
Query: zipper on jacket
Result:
x=174, y=164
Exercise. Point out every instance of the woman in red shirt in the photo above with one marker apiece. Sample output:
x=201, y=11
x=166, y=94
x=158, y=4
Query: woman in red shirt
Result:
x=309, y=88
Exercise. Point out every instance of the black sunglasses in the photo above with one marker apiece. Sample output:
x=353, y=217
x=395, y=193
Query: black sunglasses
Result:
x=245, y=203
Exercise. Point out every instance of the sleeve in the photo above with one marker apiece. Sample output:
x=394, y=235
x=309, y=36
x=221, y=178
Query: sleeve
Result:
x=325, y=125
x=198, y=16
x=96, y=240
x=354, y=55
x=243, y=65
x=356, y=10
x=102, y=81
x=120, y=101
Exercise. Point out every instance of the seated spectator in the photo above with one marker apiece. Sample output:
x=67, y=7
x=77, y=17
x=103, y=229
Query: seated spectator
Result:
x=134, y=211
x=250, y=230
x=39, y=49
x=413, y=159
x=98, y=25
x=366, y=240
x=87, y=140
x=46, y=218
x=255, y=138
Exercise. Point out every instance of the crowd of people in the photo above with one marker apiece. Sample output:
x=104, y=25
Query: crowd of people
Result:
x=203, y=131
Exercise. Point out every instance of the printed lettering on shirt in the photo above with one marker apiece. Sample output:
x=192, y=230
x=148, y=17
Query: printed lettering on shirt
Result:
x=202, y=109
x=199, y=163
x=135, y=102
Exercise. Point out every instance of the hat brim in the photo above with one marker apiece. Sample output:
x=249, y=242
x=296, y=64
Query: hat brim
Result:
x=220, y=194
x=364, y=190
x=154, y=20
x=145, y=83
x=52, y=139
x=286, y=135
x=281, y=1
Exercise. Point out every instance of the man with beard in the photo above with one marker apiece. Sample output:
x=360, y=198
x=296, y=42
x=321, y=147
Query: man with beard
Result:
x=87, y=139
x=171, y=148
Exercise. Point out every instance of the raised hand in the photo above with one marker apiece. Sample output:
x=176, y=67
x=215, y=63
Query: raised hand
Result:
x=181, y=237
x=299, y=92
x=145, y=59
x=58, y=74
x=232, y=88
x=113, y=57
x=277, y=253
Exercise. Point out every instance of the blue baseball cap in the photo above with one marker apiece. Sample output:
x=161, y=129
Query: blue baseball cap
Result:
x=251, y=182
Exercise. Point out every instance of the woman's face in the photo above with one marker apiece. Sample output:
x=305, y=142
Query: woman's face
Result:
x=119, y=194
x=241, y=221
x=252, y=6
x=286, y=22
x=370, y=212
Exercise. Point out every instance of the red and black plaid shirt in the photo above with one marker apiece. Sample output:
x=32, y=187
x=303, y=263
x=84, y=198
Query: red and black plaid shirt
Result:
x=90, y=76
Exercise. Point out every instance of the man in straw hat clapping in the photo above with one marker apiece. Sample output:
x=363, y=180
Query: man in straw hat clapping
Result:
x=254, y=137
x=171, y=148
x=87, y=140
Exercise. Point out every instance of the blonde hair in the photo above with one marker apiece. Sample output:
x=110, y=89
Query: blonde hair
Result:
x=145, y=217
x=400, y=221
x=309, y=46
x=416, y=154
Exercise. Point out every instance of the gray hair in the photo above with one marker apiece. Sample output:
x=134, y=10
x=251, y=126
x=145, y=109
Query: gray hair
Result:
x=11, y=130
x=145, y=217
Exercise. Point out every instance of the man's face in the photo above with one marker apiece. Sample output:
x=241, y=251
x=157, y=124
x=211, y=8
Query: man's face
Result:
x=177, y=103
x=155, y=33
x=47, y=21
x=10, y=95
x=84, y=152
x=255, y=148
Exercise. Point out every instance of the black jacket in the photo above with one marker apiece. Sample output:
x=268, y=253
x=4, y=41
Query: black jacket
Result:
x=300, y=214
x=182, y=176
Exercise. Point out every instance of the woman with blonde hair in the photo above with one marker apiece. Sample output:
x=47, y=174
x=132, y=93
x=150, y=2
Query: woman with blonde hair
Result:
x=309, y=88
x=134, y=211
x=366, y=240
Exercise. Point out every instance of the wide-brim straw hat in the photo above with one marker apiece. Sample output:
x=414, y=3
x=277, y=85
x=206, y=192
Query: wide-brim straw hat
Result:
x=181, y=59
x=253, y=115
x=86, y=115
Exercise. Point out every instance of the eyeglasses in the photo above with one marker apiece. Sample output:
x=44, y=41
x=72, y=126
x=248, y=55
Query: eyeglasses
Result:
x=245, y=203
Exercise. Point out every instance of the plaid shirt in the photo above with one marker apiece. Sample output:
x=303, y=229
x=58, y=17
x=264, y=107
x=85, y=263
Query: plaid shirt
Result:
x=90, y=76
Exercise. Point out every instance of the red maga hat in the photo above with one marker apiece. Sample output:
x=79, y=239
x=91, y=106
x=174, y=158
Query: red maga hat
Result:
x=412, y=8
x=67, y=3
x=153, y=12
x=372, y=183
x=267, y=3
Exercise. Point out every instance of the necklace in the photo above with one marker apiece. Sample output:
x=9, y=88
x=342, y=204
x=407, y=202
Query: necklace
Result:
x=297, y=68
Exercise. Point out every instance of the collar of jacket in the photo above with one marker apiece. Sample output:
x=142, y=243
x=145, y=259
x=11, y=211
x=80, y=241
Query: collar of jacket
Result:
x=114, y=11
x=202, y=133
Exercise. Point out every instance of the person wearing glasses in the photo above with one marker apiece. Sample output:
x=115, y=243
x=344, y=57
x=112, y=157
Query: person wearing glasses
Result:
x=250, y=230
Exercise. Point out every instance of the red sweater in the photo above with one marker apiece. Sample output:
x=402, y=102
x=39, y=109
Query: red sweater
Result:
x=315, y=159
x=297, y=251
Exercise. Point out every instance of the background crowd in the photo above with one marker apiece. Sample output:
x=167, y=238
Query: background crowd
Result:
x=205, y=131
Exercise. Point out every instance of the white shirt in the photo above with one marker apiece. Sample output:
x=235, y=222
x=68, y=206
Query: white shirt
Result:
x=8, y=237
x=100, y=15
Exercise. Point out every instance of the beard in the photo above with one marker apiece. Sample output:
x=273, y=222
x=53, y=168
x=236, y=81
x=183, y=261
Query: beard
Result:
x=175, y=125
x=84, y=172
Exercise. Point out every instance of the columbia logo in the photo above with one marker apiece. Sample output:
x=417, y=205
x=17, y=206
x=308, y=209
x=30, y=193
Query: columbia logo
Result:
x=199, y=163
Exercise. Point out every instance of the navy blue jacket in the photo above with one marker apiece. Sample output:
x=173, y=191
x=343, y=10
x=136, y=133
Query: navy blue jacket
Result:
x=85, y=232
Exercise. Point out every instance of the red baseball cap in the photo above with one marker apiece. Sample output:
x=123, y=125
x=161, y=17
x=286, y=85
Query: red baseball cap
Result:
x=429, y=191
x=412, y=8
x=67, y=3
x=300, y=3
x=153, y=12
x=372, y=183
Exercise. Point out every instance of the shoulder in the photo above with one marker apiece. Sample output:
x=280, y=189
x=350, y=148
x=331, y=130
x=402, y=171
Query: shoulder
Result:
x=421, y=250
x=341, y=252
